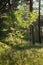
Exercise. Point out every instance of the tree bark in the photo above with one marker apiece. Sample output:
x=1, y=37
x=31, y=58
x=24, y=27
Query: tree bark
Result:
x=39, y=24
x=31, y=5
x=32, y=26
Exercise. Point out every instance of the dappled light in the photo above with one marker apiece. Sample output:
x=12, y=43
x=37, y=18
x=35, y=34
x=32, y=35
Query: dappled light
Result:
x=21, y=32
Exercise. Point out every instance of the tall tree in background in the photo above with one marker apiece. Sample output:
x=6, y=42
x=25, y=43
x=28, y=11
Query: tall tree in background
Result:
x=31, y=5
x=39, y=23
x=32, y=26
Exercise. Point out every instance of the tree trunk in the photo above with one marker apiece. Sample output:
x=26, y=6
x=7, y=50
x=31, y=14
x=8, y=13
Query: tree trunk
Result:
x=39, y=24
x=32, y=26
x=31, y=5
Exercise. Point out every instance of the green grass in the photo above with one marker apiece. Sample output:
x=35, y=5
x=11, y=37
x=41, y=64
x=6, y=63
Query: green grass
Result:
x=21, y=54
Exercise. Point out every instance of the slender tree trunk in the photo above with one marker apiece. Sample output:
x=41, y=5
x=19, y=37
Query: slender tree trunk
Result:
x=31, y=5
x=39, y=24
x=10, y=4
x=33, y=36
x=32, y=26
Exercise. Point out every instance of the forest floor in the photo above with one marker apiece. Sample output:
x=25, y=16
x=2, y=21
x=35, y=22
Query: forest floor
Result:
x=21, y=54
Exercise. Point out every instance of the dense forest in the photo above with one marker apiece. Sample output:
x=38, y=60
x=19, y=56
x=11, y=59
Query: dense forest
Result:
x=21, y=32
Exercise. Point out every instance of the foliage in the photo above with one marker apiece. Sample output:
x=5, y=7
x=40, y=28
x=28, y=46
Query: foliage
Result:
x=24, y=19
x=17, y=23
x=3, y=4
